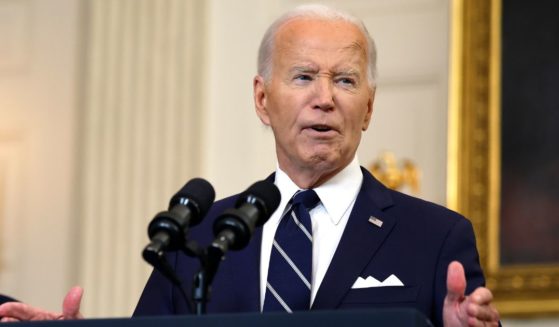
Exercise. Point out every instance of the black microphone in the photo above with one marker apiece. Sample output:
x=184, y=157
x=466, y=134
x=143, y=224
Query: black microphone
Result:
x=234, y=228
x=167, y=231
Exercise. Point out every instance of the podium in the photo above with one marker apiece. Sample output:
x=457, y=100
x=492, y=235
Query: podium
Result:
x=341, y=318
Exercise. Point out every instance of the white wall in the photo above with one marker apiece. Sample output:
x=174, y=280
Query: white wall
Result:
x=139, y=136
x=239, y=149
x=38, y=92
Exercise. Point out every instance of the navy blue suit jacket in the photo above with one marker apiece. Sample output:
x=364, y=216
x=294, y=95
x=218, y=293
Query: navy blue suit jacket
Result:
x=416, y=242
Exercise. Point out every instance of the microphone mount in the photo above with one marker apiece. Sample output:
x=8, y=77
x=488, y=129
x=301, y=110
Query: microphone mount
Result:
x=233, y=230
x=168, y=230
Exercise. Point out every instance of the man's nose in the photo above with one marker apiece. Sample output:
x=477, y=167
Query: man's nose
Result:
x=324, y=94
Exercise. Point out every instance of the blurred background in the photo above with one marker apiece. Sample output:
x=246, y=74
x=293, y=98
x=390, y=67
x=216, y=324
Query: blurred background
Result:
x=108, y=107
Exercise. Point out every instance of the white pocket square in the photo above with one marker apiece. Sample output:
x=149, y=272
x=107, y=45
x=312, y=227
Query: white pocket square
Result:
x=392, y=280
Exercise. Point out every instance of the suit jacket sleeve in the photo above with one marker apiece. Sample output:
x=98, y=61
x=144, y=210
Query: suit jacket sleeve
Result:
x=460, y=245
x=158, y=295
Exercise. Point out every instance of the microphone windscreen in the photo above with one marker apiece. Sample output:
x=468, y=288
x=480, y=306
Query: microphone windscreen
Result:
x=268, y=194
x=200, y=192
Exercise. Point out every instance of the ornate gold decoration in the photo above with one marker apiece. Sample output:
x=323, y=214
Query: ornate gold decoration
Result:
x=474, y=157
x=396, y=175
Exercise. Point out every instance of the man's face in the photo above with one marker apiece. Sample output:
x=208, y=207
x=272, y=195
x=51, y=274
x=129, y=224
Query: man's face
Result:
x=318, y=100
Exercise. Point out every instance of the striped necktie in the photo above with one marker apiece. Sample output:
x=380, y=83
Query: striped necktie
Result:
x=289, y=274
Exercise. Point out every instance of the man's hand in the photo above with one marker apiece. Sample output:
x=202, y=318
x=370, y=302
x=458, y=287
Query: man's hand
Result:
x=15, y=311
x=473, y=310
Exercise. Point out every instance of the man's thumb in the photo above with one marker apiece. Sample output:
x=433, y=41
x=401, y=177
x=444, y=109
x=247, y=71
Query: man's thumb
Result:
x=71, y=304
x=455, y=282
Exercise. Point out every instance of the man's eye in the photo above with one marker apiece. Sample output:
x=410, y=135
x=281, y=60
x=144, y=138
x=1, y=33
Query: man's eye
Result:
x=303, y=78
x=346, y=81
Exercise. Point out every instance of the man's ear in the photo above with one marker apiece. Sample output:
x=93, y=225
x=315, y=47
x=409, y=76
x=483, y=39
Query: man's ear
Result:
x=260, y=99
x=369, y=113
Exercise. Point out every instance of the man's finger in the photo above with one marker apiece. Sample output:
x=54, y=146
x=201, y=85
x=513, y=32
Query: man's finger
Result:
x=483, y=312
x=481, y=296
x=18, y=311
x=455, y=282
x=72, y=302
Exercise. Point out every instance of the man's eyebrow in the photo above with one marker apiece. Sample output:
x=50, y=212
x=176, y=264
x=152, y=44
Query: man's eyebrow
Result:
x=303, y=69
x=349, y=72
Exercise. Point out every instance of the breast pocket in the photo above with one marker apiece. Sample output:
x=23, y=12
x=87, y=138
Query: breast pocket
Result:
x=382, y=295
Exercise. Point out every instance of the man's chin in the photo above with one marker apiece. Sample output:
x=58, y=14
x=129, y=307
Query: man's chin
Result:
x=326, y=162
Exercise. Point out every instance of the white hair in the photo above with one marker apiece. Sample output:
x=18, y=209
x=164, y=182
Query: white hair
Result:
x=313, y=11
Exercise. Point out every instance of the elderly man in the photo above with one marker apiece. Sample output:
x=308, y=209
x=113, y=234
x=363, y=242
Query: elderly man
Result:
x=315, y=89
x=349, y=234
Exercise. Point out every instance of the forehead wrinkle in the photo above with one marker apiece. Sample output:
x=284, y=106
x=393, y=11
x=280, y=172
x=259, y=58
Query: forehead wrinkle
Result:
x=352, y=67
x=356, y=46
x=297, y=50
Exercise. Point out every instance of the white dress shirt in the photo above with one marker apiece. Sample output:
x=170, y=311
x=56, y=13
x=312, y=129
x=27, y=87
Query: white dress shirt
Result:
x=329, y=218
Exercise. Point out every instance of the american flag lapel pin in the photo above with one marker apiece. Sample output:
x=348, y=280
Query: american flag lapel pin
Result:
x=375, y=221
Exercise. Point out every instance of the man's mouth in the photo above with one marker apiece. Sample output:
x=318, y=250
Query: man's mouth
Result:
x=321, y=128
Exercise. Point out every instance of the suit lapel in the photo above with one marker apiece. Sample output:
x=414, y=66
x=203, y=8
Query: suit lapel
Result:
x=360, y=241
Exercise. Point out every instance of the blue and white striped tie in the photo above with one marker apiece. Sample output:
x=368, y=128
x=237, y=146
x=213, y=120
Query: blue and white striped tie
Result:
x=289, y=273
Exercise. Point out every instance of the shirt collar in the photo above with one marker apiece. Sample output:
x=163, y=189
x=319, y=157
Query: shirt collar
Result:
x=336, y=195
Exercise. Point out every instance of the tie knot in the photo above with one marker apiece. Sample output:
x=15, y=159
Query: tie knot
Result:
x=308, y=198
